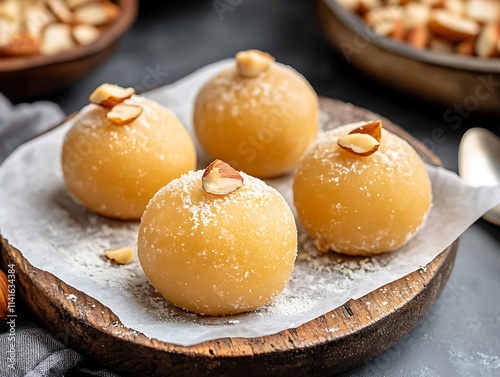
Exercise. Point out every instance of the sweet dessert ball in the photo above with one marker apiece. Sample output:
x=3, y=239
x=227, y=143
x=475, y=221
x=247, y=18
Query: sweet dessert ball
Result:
x=258, y=115
x=361, y=190
x=121, y=150
x=218, y=242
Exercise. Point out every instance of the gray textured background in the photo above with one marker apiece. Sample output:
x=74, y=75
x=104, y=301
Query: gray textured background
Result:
x=460, y=336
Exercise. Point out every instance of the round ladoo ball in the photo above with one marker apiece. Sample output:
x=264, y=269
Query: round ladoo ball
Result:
x=361, y=205
x=258, y=115
x=115, y=169
x=218, y=254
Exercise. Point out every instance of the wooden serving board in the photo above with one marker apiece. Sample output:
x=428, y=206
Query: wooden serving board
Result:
x=361, y=331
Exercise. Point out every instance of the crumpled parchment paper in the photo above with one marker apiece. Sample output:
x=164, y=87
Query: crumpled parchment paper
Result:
x=56, y=234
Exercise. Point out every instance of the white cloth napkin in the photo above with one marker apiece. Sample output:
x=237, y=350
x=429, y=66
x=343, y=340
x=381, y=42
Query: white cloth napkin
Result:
x=21, y=122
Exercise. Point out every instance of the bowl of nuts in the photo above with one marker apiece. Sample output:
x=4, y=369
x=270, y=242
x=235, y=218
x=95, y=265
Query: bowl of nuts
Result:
x=46, y=44
x=444, y=52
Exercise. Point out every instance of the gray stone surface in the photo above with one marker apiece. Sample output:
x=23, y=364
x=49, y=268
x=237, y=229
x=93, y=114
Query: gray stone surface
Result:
x=460, y=336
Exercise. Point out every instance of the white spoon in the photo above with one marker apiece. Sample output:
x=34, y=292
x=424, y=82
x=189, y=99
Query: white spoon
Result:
x=479, y=163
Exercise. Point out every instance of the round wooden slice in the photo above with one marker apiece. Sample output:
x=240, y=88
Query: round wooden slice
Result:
x=360, y=331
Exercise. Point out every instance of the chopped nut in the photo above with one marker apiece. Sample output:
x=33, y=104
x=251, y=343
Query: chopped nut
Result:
x=60, y=10
x=122, y=114
x=251, y=63
x=109, y=95
x=220, y=178
x=385, y=15
x=20, y=45
x=483, y=11
x=57, y=38
x=455, y=6
x=122, y=255
x=359, y=144
x=487, y=43
x=85, y=34
x=11, y=10
x=37, y=17
x=416, y=15
x=304, y=256
x=370, y=128
x=451, y=27
x=96, y=13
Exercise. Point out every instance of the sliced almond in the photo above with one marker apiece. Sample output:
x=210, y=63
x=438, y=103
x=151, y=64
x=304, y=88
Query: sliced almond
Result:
x=455, y=6
x=383, y=15
x=220, y=178
x=109, y=95
x=359, y=144
x=418, y=37
x=60, y=10
x=96, y=13
x=123, y=255
x=85, y=34
x=8, y=30
x=451, y=27
x=384, y=28
x=372, y=128
x=251, y=63
x=487, y=43
x=21, y=45
x=483, y=11
x=11, y=10
x=57, y=38
x=123, y=113
x=415, y=15
x=37, y=17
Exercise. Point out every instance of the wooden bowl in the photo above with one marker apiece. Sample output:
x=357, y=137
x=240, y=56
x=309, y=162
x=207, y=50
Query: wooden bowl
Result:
x=23, y=78
x=448, y=80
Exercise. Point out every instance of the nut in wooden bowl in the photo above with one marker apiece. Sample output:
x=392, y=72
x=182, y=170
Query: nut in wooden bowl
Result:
x=43, y=38
x=449, y=22
x=443, y=52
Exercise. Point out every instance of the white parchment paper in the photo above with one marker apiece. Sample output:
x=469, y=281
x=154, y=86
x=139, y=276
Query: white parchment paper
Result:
x=56, y=234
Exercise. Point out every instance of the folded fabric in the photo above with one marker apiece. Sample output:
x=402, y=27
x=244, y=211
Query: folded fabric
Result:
x=38, y=353
x=21, y=122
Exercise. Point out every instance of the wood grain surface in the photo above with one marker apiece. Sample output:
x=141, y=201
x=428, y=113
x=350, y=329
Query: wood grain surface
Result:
x=361, y=331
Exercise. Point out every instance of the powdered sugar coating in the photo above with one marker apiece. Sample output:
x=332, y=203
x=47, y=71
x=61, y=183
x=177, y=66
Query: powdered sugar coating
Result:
x=227, y=89
x=115, y=169
x=261, y=125
x=361, y=205
x=218, y=254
